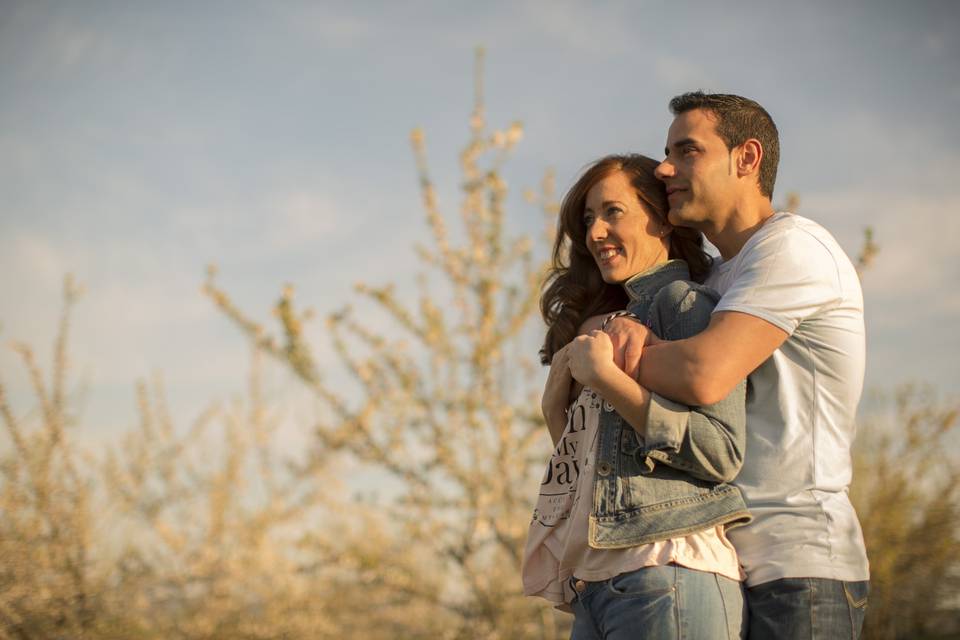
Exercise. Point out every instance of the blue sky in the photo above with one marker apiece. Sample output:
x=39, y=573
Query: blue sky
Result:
x=141, y=141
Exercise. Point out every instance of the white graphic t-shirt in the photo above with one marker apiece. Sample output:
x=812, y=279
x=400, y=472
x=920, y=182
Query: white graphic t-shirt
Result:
x=557, y=546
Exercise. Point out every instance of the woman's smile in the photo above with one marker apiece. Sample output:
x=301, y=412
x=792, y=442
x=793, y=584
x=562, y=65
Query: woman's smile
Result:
x=622, y=235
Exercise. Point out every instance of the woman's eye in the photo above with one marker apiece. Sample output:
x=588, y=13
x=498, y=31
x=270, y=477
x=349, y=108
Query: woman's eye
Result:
x=614, y=211
x=588, y=220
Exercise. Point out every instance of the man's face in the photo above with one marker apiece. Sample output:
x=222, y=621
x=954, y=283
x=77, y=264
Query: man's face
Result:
x=698, y=172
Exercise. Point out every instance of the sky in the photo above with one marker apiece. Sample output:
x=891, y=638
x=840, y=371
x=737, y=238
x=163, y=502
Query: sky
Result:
x=142, y=141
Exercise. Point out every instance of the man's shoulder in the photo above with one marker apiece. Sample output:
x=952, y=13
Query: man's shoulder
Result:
x=781, y=225
x=792, y=226
x=791, y=237
x=791, y=269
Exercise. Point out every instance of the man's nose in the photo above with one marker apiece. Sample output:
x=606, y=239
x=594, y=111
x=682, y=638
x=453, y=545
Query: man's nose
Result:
x=663, y=170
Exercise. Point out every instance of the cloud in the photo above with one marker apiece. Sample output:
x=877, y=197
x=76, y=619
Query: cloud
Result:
x=281, y=223
x=870, y=148
x=933, y=43
x=322, y=24
x=141, y=317
x=74, y=46
x=678, y=74
x=894, y=175
x=28, y=253
x=133, y=302
x=59, y=40
x=598, y=29
x=302, y=218
x=136, y=318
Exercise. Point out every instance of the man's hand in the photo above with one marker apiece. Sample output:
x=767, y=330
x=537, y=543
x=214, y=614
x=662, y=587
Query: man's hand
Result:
x=628, y=338
x=592, y=323
x=590, y=356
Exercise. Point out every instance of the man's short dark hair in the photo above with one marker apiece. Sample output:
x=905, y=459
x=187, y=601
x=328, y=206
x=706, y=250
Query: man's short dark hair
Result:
x=738, y=120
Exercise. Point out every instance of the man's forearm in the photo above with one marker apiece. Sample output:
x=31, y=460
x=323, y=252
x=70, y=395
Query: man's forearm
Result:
x=670, y=369
x=705, y=368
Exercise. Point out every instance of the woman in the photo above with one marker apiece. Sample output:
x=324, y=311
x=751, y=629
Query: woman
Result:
x=629, y=527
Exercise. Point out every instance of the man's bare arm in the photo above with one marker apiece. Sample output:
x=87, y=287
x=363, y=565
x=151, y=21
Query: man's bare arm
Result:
x=703, y=369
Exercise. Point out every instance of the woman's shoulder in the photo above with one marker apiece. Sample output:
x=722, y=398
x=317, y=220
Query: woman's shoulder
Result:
x=683, y=307
x=686, y=294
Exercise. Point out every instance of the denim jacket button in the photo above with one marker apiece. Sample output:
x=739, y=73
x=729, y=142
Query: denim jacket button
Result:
x=604, y=468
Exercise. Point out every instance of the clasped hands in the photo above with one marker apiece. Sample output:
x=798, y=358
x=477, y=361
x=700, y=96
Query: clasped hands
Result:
x=590, y=358
x=620, y=344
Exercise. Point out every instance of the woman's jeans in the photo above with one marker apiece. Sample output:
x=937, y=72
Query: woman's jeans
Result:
x=807, y=608
x=661, y=603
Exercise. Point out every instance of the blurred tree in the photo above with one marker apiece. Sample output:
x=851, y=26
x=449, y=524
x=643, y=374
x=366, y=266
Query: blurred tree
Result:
x=448, y=408
x=183, y=535
x=48, y=582
x=906, y=490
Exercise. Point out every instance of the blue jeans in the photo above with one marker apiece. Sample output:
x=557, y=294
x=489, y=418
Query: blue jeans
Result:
x=661, y=603
x=808, y=608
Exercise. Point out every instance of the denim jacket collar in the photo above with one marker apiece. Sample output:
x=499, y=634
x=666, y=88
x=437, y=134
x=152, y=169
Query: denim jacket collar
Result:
x=642, y=287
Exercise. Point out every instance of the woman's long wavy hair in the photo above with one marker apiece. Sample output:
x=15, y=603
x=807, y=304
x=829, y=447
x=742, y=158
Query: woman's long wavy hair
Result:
x=574, y=289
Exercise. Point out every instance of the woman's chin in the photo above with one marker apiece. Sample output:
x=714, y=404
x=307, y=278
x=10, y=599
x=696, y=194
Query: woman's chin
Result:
x=611, y=277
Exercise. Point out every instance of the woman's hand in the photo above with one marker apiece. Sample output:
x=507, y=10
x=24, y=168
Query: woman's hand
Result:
x=591, y=357
x=592, y=363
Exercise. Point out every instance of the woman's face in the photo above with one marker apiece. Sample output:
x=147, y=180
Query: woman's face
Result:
x=623, y=238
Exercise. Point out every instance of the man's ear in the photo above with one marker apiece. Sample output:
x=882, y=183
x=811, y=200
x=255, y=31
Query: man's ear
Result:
x=748, y=158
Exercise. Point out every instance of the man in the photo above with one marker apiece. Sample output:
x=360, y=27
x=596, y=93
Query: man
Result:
x=790, y=316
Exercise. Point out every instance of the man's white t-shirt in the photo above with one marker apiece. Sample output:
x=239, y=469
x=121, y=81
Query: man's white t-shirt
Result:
x=801, y=402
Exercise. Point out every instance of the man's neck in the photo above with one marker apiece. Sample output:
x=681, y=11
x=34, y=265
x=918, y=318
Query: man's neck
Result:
x=744, y=221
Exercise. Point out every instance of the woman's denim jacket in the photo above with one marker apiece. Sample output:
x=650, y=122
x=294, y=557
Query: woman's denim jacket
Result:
x=673, y=481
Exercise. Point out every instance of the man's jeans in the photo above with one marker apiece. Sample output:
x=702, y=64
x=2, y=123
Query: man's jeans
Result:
x=808, y=608
x=662, y=603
